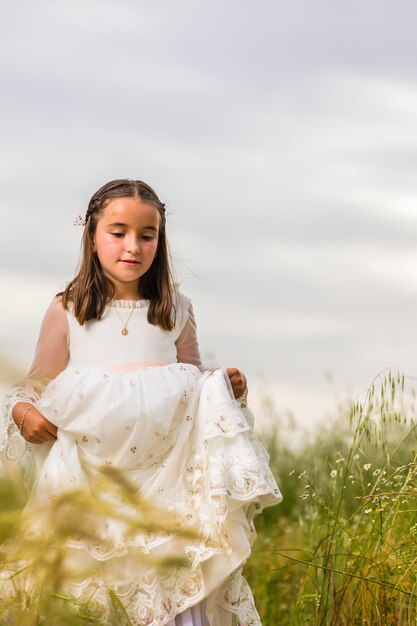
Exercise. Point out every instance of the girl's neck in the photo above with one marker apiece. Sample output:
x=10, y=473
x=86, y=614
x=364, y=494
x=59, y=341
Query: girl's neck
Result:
x=119, y=299
x=127, y=295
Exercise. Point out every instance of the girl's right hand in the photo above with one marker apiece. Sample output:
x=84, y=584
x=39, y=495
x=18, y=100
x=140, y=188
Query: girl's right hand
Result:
x=36, y=428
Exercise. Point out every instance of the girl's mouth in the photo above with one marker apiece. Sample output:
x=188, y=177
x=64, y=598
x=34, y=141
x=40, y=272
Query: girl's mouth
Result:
x=130, y=262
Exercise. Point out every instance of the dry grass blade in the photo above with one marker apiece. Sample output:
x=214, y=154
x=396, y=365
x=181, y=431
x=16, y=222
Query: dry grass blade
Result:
x=36, y=565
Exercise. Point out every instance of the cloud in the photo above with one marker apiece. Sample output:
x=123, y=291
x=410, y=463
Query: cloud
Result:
x=283, y=140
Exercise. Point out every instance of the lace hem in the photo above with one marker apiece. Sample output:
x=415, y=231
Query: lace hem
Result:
x=236, y=597
x=155, y=600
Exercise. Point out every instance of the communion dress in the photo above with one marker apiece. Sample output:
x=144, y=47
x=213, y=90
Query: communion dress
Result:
x=142, y=403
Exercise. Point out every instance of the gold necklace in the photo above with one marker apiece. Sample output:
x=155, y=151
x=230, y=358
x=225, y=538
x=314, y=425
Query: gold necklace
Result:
x=124, y=330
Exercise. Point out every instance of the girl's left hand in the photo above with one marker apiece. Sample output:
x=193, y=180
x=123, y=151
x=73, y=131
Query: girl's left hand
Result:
x=237, y=380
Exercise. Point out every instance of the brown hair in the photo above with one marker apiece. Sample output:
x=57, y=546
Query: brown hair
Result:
x=91, y=290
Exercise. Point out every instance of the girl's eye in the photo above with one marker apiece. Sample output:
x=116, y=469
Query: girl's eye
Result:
x=118, y=235
x=148, y=237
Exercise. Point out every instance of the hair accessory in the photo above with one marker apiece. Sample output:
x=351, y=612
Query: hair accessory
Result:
x=79, y=221
x=23, y=418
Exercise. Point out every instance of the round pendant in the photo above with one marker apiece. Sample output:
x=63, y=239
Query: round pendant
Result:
x=124, y=331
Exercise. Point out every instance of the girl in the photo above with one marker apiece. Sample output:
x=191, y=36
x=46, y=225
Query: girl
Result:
x=117, y=381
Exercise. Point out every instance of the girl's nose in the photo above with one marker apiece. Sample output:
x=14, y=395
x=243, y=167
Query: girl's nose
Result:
x=132, y=245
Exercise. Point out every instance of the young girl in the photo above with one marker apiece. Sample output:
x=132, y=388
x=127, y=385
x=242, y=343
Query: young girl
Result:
x=117, y=381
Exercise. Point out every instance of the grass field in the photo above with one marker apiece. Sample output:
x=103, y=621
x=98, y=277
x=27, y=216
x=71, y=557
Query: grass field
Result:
x=341, y=549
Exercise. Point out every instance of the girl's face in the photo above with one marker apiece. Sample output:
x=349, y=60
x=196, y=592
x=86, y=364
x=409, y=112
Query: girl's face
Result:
x=126, y=240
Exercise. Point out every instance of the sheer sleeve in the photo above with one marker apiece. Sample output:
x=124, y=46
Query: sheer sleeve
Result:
x=51, y=357
x=187, y=343
x=188, y=352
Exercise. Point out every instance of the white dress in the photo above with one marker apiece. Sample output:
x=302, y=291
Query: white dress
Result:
x=140, y=403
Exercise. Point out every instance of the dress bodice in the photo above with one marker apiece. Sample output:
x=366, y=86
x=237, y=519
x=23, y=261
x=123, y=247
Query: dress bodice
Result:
x=104, y=344
x=64, y=342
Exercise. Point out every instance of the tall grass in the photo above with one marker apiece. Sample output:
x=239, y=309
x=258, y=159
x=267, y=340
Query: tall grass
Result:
x=343, y=550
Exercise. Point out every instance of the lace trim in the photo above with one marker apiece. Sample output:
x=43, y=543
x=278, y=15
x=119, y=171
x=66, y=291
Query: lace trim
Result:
x=128, y=304
x=154, y=600
x=14, y=446
x=236, y=597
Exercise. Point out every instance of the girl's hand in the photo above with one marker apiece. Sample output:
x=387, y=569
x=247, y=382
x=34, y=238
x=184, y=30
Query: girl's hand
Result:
x=36, y=428
x=237, y=380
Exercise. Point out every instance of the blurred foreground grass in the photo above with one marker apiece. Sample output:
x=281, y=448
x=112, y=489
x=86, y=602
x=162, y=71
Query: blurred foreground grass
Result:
x=36, y=566
x=340, y=550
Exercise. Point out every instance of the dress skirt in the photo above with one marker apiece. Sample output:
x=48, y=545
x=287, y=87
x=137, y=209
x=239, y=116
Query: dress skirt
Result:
x=185, y=446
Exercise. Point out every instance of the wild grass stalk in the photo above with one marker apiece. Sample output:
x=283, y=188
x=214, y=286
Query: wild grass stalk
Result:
x=36, y=566
x=345, y=551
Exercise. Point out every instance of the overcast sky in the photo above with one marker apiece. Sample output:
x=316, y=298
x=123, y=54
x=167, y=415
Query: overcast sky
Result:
x=282, y=138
